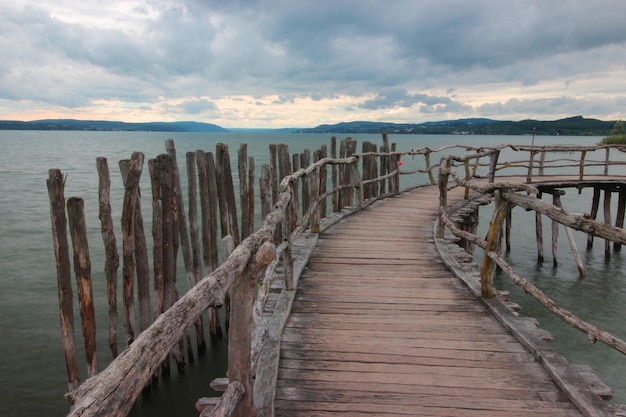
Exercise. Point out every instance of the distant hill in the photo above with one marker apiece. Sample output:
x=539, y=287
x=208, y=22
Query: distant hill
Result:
x=572, y=126
x=103, y=125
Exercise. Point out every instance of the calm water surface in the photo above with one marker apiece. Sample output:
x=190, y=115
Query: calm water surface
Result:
x=32, y=369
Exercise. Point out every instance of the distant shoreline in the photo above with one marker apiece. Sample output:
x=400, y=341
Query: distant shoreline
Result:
x=572, y=126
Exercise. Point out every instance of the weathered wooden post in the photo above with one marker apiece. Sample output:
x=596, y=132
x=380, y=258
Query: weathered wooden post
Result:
x=305, y=161
x=581, y=166
x=443, y=194
x=265, y=191
x=251, y=195
x=429, y=169
x=112, y=259
x=607, y=220
x=595, y=205
x=225, y=173
x=619, y=220
x=141, y=256
x=209, y=205
x=239, y=333
x=539, y=233
x=494, y=244
x=493, y=164
x=315, y=200
x=468, y=176
x=244, y=203
x=166, y=183
x=334, y=179
x=131, y=195
x=323, y=179
x=358, y=182
x=194, y=239
x=56, y=185
x=531, y=162
x=82, y=271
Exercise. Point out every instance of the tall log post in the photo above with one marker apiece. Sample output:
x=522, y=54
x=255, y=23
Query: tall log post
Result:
x=315, y=200
x=273, y=178
x=165, y=170
x=295, y=165
x=182, y=234
x=194, y=239
x=131, y=196
x=141, y=256
x=244, y=204
x=251, y=195
x=56, y=186
x=82, y=271
x=239, y=333
x=265, y=191
x=224, y=167
x=112, y=259
x=305, y=161
x=358, y=183
x=494, y=244
x=606, y=162
x=323, y=180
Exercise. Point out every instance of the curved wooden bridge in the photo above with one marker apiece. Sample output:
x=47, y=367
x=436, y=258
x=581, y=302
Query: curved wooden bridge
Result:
x=382, y=313
x=381, y=327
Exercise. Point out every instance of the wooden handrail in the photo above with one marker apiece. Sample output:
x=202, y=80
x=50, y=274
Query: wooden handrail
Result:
x=506, y=198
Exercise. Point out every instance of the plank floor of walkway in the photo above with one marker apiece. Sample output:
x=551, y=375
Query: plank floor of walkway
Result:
x=381, y=327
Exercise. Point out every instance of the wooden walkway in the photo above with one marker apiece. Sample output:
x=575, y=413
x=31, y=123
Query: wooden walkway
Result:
x=380, y=327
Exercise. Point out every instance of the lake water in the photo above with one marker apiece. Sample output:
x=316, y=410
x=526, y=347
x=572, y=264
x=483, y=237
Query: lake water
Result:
x=32, y=369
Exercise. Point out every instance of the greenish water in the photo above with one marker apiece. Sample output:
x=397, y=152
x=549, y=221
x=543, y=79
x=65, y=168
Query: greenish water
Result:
x=32, y=369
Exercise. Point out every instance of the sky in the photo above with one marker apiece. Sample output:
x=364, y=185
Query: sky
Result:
x=301, y=63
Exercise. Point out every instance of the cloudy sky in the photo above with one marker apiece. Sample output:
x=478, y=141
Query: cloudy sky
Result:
x=300, y=63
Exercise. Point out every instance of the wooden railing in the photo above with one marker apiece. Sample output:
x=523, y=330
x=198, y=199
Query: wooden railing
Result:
x=355, y=180
x=527, y=195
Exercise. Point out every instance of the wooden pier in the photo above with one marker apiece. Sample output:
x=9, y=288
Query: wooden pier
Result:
x=381, y=327
x=384, y=313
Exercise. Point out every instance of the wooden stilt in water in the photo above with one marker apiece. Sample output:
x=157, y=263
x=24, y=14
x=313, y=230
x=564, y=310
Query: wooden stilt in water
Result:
x=56, y=185
x=555, y=236
x=82, y=271
x=194, y=239
x=165, y=169
x=141, y=256
x=595, y=204
x=539, y=233
x=508, y=221
x=131, y=196
x=209, y=203
x=244, y=204
x=607, y=220
x=112, y=259
x=619, y=220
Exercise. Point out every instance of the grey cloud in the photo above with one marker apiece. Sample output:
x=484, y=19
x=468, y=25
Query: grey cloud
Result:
x=401, y=98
